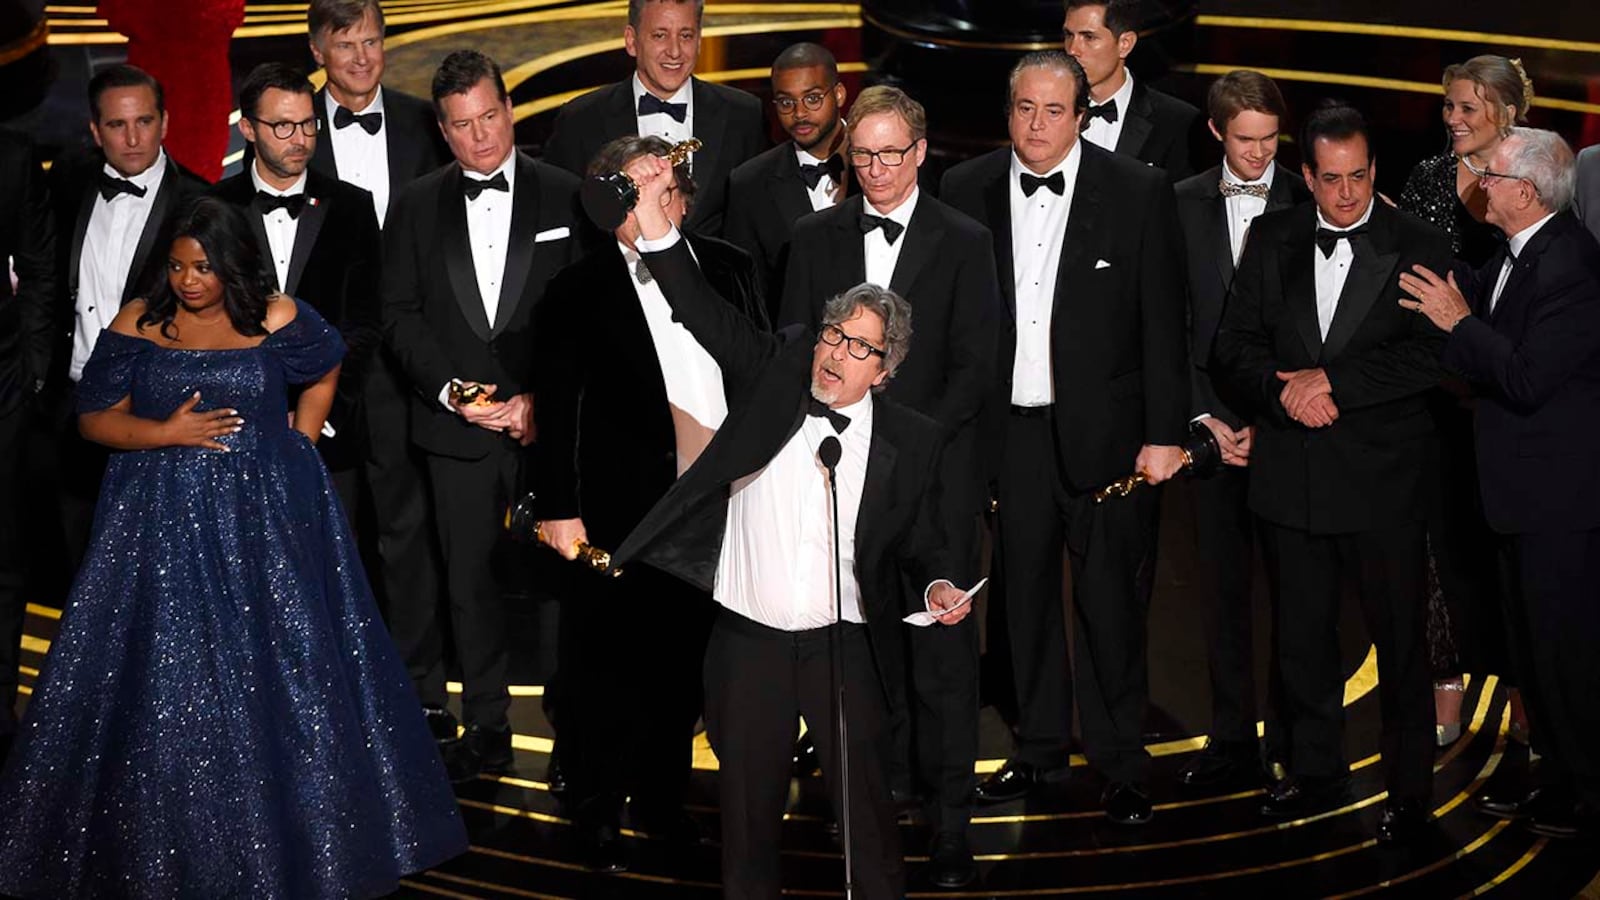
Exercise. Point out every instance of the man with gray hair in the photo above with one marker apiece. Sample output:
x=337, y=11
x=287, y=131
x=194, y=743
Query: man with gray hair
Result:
x=1525, y=330
x=751, y=522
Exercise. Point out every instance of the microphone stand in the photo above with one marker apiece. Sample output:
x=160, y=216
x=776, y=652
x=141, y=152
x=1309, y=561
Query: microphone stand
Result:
x=829, y=454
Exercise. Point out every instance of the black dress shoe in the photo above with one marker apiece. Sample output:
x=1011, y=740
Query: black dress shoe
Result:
x=1302, y=795
x=1219, y=762
x=1515, y=806
x=441, y=724
x=1401, y=822
x=478, y=750
x=1016, y=779
x=950, y=863
x=555, y=778
x=806, y=762
x=1126, y=803
x=601, y=849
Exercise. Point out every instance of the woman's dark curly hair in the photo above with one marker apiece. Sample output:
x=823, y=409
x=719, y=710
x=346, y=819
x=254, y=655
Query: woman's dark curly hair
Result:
x=221, y=230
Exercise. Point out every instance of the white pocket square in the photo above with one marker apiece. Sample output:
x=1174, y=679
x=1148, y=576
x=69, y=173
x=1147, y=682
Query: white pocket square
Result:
x=1101, y=264
x=553, y=234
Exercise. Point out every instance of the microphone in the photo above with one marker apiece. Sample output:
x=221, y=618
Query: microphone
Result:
x=828, y=453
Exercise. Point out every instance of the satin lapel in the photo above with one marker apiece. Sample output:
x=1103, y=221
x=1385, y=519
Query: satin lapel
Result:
x=997, y=207
x=404, y=148
x=789, y=193
x=1495, y=264
x=520, y=249
x=1221, y=237
x=322, y=158
x=710, y=124
x=1082, y=220
x=1520, y=271
x=622, y=115
x=849, y=248
x=159, y=210
x=1136, y=124
x=1282, y=194
x=924, y=234
x=1371, y=273
x=1300, y=284
x=312, y=216
x=628, y=330
x=881, y=457
x=458, y=254
x=79, y=229
x=258, y=227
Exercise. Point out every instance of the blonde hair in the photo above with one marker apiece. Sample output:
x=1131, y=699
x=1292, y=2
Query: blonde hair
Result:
x=1503, y=82
x=884, y=99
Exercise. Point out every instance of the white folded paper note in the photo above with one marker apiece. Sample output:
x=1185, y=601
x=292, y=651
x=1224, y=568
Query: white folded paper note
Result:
x=924, y=619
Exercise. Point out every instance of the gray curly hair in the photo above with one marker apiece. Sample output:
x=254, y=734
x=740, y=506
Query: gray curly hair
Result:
x=890, y=307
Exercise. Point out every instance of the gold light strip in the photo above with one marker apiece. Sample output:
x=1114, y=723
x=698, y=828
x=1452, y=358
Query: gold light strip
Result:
x=1429, y=869
x=491, y=886
x=441, y=892
x=1369, y=81
x=1404, y=31
x=44, y=612
x=515, y=690
x=32, y=644
x=631, y=876
x=1511, y=870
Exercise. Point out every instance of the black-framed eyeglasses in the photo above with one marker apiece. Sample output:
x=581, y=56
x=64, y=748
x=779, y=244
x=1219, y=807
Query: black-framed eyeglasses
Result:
x=1488, y=175
x=862, y=158
x=812, y=101
x=285, y=130
x=833, y=336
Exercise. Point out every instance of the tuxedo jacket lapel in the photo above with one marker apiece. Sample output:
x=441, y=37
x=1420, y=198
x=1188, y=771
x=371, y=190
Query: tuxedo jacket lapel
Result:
x=322, y=158
x=159, y=210
x=520, y=249
x=710, y=124
x=309, y=226
x=1371, y=273
x=789, y=191
x=1136, y=123
x=258, y=227
x=849, y=250
x=1300, y=284
x=997, y=203
x=79, y=229
x=881, y=457
x=458, y=254
x=404, y=146
x=1221, y=238
x=621, y=116
x=922, y=237
x=1082, y=220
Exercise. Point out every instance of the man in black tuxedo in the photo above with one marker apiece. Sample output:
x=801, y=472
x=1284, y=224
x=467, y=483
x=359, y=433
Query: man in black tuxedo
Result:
x=663, y=98
x=111, y=210
x=1124, y=115
x=1316, y=352
x=729, y=526
x=1093, y=373
x=322, y=240
x=806, y=174
x=1215, y=209
x=469, y=249
x=27, y=239
x=380, y=139
x=1527, y=336
x=939, y=260
x=615, y=430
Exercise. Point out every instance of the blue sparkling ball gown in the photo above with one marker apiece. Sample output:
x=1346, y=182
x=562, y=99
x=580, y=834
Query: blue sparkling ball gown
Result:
x=222, y=713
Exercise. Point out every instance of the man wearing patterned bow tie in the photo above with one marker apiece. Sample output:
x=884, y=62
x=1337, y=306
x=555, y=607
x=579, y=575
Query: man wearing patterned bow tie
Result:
x=110, y=209
x=1124, y=115
x=1093, y=387
x=1316, y=353
x=1215, y=209
x=893, y=235
x=663, y=98
x=805, y=174
x=321, y=238
x=615, y=430
x=468, y=250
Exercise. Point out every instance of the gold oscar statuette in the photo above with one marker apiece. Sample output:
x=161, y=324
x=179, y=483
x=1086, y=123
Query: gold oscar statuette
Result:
x=608, y=197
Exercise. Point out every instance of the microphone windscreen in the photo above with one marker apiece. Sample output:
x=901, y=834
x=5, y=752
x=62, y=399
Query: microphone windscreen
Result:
x=829, y=452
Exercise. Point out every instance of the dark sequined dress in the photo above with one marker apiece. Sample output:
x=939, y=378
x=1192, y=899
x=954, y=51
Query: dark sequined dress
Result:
x=222, y=713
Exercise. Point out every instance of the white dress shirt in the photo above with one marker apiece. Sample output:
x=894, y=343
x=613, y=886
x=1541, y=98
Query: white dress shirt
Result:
x=280, y=226
x=1514, y=245
x=823, y=195
x=109, y=241
x=488, y=233
x=662, y=125
x=1243, y=208
x=1038, y=228
x=1332, y=271
x=693, y=379
x=881, y=255
x=360, y=158
x=776, y=565
x=1105, y=134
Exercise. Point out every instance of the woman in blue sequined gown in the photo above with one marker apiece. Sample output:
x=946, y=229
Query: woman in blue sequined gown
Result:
x=222, y=713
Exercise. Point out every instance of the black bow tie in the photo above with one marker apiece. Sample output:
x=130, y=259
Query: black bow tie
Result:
x=812, y=173
x=1106, y=110
x=370, y=122
x=839, y=420
x=472, y=187
x=294, y=204
x=110, y=187
x=650, y=104
x=891, y=228
x=1327, y=238
x=1057, y=183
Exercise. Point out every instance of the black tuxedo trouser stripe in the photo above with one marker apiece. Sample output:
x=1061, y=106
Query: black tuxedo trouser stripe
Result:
x=408, y=577
x=1552, y=599
x=1224, y=531
x=1111, y=548
x=758, y=680
x=1389, y=566
x=13, y=605
x=470, y=497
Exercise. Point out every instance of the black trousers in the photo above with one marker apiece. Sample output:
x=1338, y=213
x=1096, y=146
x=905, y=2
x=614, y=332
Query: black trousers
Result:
x=1389, y=566
x=13, y=605
x=407, y=580
x=1111, y=548
x=758, y=679
x=632, y=651
x=1225, y=534
x=470, y=497
x=80, y=465
x=1551, y=586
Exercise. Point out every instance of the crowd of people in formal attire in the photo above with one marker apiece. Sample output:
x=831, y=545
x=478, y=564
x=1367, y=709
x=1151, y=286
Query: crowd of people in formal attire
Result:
x=796, y=394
